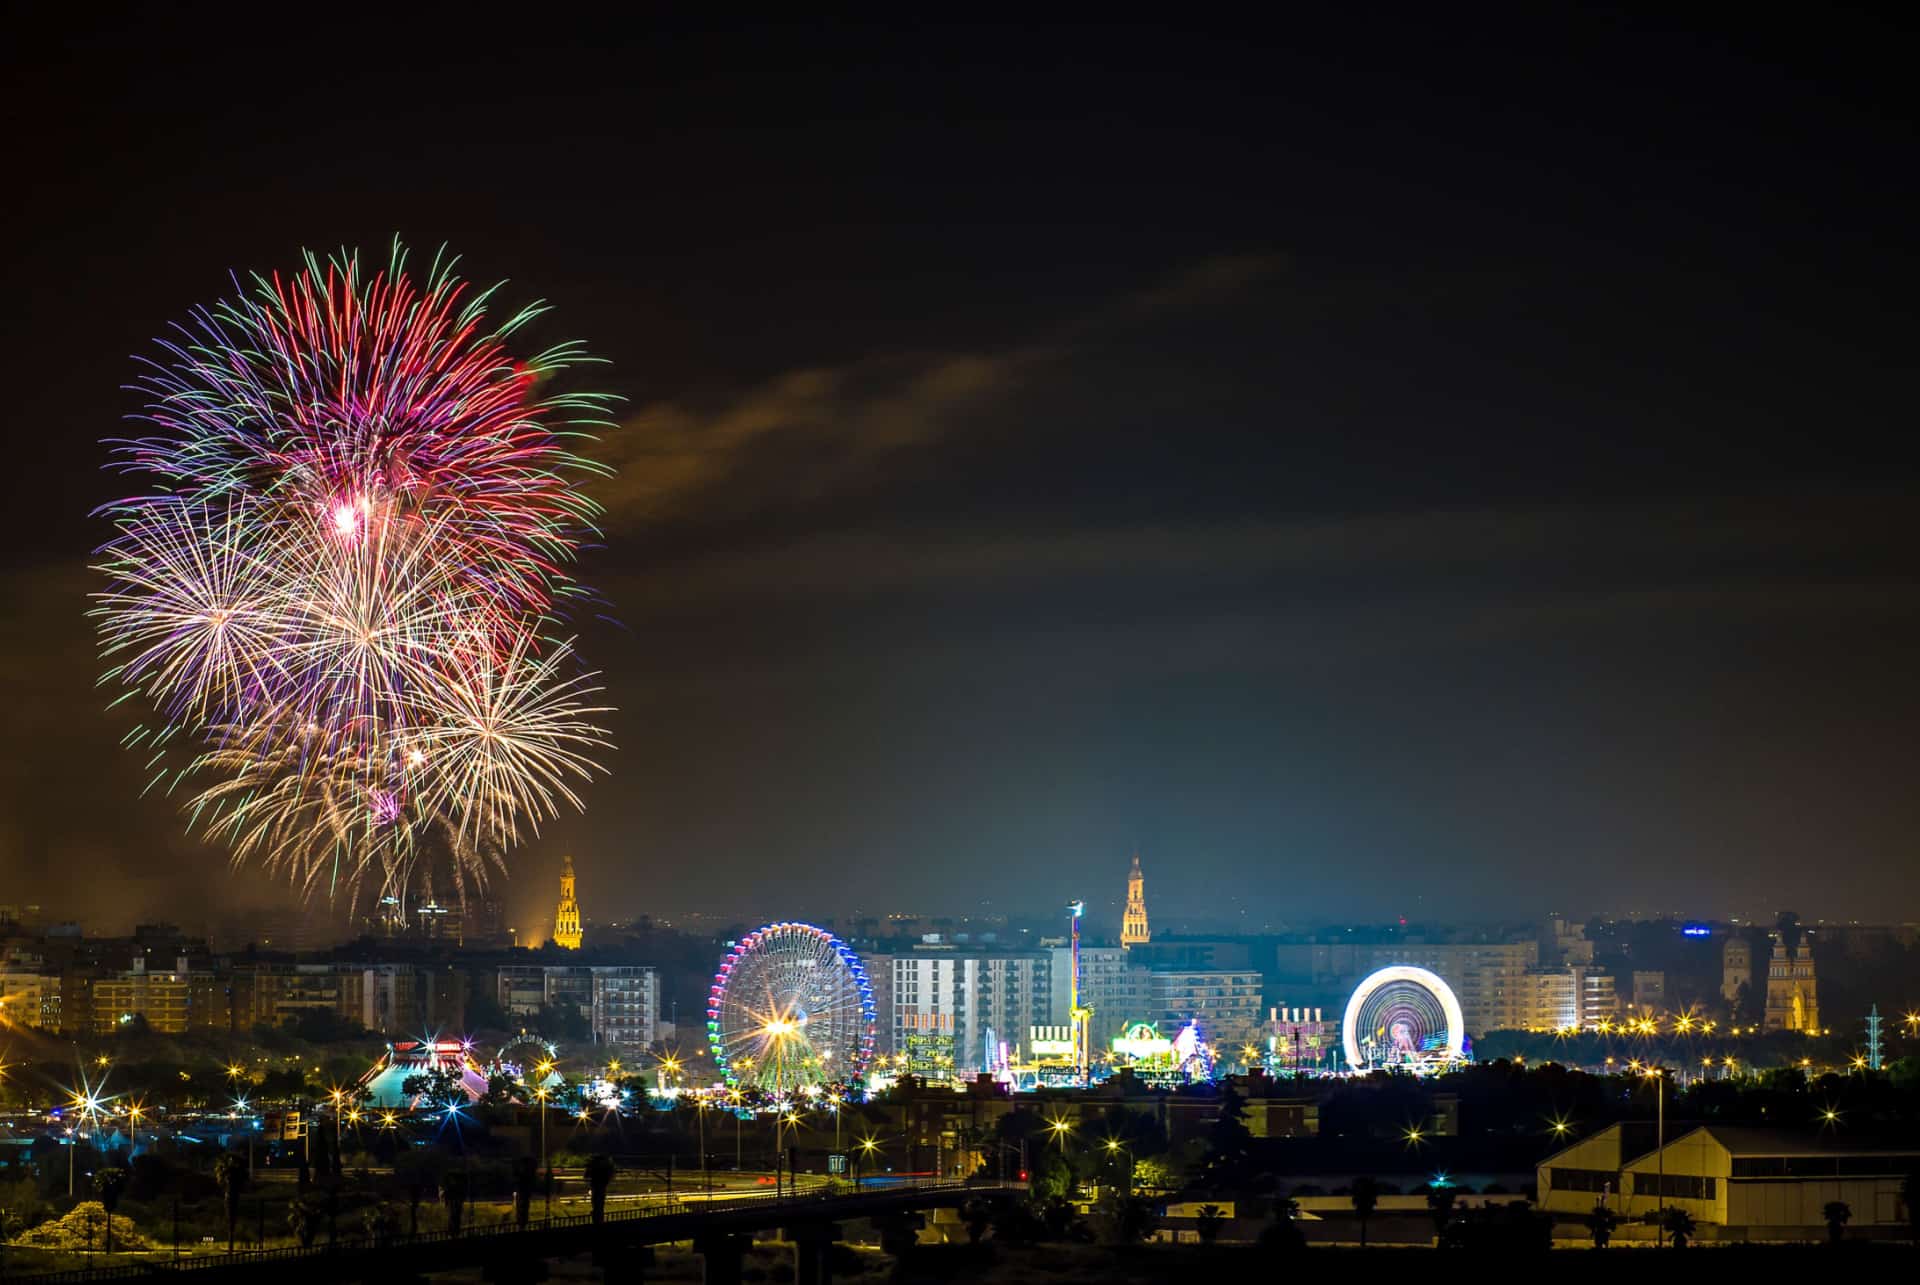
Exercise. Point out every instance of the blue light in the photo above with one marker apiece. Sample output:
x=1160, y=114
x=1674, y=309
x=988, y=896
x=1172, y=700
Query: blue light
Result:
x=1696, y=930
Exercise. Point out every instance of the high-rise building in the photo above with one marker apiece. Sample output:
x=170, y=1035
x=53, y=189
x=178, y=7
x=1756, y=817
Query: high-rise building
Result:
x=1792, y=1002
x=1133, y=924
x=621, y=1003
x=1575, y=997
x=566, y=920
x=1736, y=968
x=1490, y=978
x=1225, y=1003
x=1113, y=987
x=962, y=1004
x=1649, y=990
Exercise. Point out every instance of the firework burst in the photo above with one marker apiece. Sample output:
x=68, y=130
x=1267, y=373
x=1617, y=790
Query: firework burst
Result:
x=338, y=598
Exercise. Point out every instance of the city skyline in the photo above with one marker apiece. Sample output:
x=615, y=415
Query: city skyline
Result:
x=1309, y=494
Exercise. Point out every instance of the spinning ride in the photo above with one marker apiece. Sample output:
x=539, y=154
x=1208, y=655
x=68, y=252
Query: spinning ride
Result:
x=1403, y=1017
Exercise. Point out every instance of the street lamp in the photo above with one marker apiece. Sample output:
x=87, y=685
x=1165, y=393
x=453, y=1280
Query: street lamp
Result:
x=1660, y=1150
x=545, y=1157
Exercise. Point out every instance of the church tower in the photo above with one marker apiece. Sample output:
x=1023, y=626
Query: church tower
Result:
x=1792, y=996
x=1133, y=925
x=566, y=920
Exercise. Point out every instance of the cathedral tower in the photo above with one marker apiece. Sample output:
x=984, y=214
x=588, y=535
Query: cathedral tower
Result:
x=1133, y=925
x=566, y=920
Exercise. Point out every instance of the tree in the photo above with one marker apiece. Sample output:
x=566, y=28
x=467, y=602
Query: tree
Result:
x=1365, y=1195
x=415, y=1179
x=563, y=1021
x=378, y=1221
x=526, y=1174
x=1052, y=1177
x=1440, y=1202
x=599, y=1178
x=1282, y=1238
x=230, y=1171
x=977, y=1215
x=1600, y=1223
x=1127, y=1219
x=1229, y=1162
x=1837, y=1213
x=453, y=1194
x=323, y=1026
x=109, y=1184
x=1678, y=1224
x=484, y=1012
x=304, y=1215
x=438, y=1089
x=1208, y=1221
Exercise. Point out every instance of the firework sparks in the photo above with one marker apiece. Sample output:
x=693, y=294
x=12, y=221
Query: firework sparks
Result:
x=363, y=514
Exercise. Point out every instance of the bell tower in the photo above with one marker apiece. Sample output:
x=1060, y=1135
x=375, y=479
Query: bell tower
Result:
x=1133, y=925
x=566, y=920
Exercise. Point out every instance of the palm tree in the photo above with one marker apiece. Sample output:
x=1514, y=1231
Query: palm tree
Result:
x=1678, y=1224
x=1837, y=1213
x=526, y=1173
x=1365, y=1194
x=1440, y=1203
x=1209, y=1219
x=109, y=1184
x=599, y=1178
x=453, y=1194
x=379, y=1223
x=304, y=1215
x=230, y=1171
x=1601, y=1223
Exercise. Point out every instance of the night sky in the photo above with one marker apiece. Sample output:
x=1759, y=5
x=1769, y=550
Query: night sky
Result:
x=1447, y=468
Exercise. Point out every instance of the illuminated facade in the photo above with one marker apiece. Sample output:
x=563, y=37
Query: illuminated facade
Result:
x=1792, y=1001
x=1226, y=1003
x=1574, y=998
x=1133, y=924
x=937, y=1001
x=566, y=920
x=162, y=998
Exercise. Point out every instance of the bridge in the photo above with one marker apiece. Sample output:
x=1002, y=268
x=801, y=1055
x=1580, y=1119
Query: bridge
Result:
x=720, y=1231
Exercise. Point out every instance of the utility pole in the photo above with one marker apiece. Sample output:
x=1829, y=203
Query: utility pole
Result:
x=1660, y=1144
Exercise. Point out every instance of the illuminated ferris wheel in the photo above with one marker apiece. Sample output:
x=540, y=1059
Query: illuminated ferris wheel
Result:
x=790, y=1007
x=1403, y=1018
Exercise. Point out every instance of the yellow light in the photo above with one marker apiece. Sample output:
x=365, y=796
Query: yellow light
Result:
x=1112, y=1145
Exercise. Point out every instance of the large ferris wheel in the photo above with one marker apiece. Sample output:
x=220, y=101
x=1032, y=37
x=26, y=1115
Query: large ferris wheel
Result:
x=790, y=1007
x=1403, y=1017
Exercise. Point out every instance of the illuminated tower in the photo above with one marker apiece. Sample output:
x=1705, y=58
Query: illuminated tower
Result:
x=1133, y=925
x=566, y=920
x=1082, y=1018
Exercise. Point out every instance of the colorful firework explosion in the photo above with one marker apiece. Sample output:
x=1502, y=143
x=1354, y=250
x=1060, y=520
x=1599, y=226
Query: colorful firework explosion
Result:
x=339, y=598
